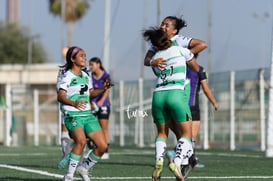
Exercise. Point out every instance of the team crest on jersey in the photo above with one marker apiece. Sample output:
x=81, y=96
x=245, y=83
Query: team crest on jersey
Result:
x=74, y=123
x=73, y=82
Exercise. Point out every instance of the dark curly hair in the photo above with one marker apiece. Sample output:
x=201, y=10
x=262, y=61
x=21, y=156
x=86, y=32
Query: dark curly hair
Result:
x=158, y=38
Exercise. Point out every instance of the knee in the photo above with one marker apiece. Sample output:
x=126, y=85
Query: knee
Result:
x=102, y=147
x=81, y=143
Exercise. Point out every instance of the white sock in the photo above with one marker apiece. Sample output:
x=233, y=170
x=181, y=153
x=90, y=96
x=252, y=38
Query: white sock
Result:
x=183, y=151
x=160, y=147
x=73, y=163
x=65, y=143
x=91, y=161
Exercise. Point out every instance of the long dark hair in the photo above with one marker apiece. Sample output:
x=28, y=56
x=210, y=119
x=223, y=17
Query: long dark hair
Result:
x=158, y=38
x=71, y=53
x=97, y=60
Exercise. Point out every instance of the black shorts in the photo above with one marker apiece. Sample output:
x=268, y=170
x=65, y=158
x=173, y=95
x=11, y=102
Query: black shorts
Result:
x=195, y=113
x=103, y=112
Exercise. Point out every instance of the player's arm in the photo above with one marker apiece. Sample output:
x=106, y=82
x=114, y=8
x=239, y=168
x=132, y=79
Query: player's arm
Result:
x=191, y=60
x=208, y=93
x=155, y=62
x=193, y=65
x=104, y=97
x=96, y=92
x=62, y=98
x=196, y=46
x=148, y=58
x=158, y=62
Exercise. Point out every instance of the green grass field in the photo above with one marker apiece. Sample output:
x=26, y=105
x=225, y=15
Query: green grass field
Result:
x=136, y=164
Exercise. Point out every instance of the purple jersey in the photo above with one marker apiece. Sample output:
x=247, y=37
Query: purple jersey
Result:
x=98, y=83
x=195, y=83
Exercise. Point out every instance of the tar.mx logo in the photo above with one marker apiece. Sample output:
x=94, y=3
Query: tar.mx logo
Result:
x=135, y=113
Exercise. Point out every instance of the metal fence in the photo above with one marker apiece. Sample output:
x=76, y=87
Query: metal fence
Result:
x=238, y=124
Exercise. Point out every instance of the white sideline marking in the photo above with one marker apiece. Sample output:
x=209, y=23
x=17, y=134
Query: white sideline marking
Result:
x=201, y=177
x=230, y=155
x=31, y=171
x=20, y=154
x=148, y=152
x=129, y=178
x=234, y=177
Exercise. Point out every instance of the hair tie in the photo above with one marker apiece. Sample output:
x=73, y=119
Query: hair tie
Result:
x=75, y=51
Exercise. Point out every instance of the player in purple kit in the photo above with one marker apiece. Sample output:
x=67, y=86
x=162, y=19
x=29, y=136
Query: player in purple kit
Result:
x=99, y=76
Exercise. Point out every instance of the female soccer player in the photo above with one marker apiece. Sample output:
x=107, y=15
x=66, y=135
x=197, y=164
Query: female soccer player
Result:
x=99, y=76
x=75, y=90
x=170, y=99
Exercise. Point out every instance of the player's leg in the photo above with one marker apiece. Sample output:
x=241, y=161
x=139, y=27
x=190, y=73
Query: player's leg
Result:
x=160, y=148
x=65, y=140
x=103, y=116
x=65, y=144
x=181, y=116
x=94, y=133
x=79, y=137
x=195, y=131
x=162, y=133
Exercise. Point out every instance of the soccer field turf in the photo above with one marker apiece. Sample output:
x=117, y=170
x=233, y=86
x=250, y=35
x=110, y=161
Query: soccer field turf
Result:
x=136, y=164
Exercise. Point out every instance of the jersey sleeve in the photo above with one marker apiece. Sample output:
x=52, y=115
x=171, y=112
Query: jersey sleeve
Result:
x=59, y=78
x=187, y=54
x=183, y=41
x=64, y=82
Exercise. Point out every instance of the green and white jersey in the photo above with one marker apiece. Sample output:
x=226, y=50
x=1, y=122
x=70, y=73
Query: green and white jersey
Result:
x=181, y=41
x=59, y=78
x=178, y=40
x=173, y=76
x=77, y=89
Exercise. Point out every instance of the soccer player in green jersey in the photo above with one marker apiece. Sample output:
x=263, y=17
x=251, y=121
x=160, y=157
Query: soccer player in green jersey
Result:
x=75, y=91
x=170, y=99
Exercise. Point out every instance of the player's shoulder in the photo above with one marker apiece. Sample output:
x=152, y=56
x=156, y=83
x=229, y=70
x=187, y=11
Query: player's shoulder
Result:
x=67, y=75
x=85, y=73
x=180, y=37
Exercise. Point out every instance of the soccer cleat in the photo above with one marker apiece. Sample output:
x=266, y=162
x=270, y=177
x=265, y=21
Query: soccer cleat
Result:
x=199, y=165
x=176, y=171
x=83, y=172
x=64, y=162
x=157, y=170
x=67, y=178
x=105, y=156
x=186, y=170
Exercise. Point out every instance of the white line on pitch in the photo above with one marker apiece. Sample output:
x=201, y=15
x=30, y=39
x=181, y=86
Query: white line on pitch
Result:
x=129, y=178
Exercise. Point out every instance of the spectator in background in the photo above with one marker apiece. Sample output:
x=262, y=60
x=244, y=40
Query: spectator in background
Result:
x=99, y=76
